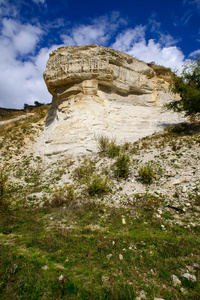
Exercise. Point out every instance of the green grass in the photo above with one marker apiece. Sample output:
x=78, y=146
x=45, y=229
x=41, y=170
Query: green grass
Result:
x=146, y=173
x=122, y=166
x=65, y=241
x=28, y=244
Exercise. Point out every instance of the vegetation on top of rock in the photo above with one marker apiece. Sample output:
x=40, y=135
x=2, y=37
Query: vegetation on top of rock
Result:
x=188, y=87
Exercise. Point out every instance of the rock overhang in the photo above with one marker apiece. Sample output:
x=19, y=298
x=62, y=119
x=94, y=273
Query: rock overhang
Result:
x=68, y=66
x=100, y=91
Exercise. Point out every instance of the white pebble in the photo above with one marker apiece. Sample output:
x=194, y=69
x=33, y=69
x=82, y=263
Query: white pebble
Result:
x=121, y=257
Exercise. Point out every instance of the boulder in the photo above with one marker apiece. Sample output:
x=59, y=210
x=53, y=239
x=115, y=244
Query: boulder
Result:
x=99, y=91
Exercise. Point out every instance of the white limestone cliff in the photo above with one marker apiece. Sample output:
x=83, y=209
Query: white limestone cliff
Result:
x=100, y=91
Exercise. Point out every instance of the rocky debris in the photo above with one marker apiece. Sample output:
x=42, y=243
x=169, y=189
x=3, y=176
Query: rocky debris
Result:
x=123, y=220
x=59, y=266
x=183, y=291
x=121, y=257
x=100, y=91
x=45, y=268
x=175, y=280
x=61, y=278
x=195, y=266
x=105, y=279
x=109, y=256
x=189, y=277
x=143, y=295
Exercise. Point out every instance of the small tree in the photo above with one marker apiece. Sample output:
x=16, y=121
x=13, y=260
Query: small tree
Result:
x=188, y=87
x=37, y=104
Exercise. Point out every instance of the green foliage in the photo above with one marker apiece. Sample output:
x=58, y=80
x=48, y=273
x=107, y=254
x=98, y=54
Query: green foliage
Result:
x=3, y=179
x=122, y=165
x=147, y=174
x=113, y=150
x=98, y=186
x=108, y=147
x=188, y=87
x=84, y=171
x=63, y=196
x=103, y=143
x=76, y=244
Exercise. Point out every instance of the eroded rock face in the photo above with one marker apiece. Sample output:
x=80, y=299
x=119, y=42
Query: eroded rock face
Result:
x=100, y=91
x=84, y=69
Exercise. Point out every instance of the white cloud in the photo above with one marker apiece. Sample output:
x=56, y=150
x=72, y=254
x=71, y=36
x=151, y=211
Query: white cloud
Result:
x=195, y=53
x=128, y=38
x=100, y=31
x=21, y=80
x=23, y=38
x=8, y=9
x=86, y=34
x=167, y=40
x=194, y=2
x=39, y=1
x=170, y=57
x=133, y=42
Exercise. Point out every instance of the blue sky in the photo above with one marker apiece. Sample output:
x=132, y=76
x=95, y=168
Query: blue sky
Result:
x=166, y=32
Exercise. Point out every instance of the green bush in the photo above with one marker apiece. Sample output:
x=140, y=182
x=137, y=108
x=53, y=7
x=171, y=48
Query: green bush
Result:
x=188, y=87
x=108, y=147
x=84, y=171
x=122, y=165
x=113, y=150
x=147, y=174
x=98, y=186
x=63, y=196
x=103, y=143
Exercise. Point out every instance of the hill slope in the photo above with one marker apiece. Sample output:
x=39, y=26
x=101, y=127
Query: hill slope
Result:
x=113, y=224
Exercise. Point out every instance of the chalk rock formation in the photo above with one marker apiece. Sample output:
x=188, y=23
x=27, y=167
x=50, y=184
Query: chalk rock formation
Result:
x=100, y=91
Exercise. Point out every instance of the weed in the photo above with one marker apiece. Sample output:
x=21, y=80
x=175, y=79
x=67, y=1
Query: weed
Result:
x=108, y=147
x=146, y=173
x=3, y=180
x=63, y=196
x=122, y=166
x=98, y=186
x=197, y=200
x=84, y=171
x=113, y=150
x=135, y=150
x=103, y=142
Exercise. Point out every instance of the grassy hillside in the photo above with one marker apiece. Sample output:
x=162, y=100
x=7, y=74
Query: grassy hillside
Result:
x=116, y=224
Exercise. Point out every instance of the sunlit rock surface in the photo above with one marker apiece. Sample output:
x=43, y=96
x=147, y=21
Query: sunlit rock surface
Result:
x=100, y=91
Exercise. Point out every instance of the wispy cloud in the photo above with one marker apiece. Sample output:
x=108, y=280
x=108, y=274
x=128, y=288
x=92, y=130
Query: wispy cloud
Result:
x=125, y=40
x=100, y=31
x=8, y=8
x=192, y=2
x=195, y=53
x=197, y=3
x=39, y=1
